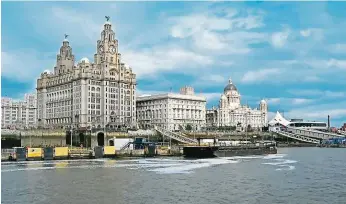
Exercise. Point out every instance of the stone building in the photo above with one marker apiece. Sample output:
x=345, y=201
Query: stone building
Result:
x=172, y=111
x=88, y=94
x=18, y=114
x=230, y=112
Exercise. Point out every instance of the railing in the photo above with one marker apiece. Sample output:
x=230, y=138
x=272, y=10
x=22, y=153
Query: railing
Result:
x=298, y=137
x=312, y=133
x=175, y=136
x=125, y=146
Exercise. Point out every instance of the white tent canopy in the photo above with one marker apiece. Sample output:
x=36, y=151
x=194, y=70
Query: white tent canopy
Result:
x=278, y=119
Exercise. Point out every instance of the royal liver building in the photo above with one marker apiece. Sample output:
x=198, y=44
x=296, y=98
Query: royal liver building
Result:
x=88, y=94
x=231, y=113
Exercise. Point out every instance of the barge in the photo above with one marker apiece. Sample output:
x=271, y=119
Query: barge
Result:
x=228, y=151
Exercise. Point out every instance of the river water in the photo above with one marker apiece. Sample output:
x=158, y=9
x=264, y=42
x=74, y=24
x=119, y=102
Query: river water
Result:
x=294, y=175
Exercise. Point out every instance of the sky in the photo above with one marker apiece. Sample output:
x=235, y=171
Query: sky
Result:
x=293, y=54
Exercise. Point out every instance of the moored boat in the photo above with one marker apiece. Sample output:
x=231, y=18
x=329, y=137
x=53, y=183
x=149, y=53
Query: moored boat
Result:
x=229, y=151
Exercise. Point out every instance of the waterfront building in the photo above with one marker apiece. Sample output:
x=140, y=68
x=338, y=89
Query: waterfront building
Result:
x=230, y=112
x=18, y=114
x=88, y=94
x=172, y=111
x=279, y=121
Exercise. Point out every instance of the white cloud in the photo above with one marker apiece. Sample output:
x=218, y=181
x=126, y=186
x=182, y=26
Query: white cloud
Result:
x=299, y=101
x=79, y=25
x=305, y=33
x=210, y=96
x=288, y=101
x=259, y=75
x=279, y=39
x=25, y=65
x=213, y=78
x=318, y=93
x=189, y=25
x=209, y=40
x=205, y=31
x=335, y=63
x=148, y=62
x=273, y=101
x=314, y=33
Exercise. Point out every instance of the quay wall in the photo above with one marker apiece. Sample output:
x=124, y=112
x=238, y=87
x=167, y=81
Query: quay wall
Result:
x=43, y=141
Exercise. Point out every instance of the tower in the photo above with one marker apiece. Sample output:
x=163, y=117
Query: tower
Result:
x=65, y=58
x=107, y=47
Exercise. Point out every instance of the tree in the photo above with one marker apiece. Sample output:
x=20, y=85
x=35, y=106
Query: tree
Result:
x=188, y=127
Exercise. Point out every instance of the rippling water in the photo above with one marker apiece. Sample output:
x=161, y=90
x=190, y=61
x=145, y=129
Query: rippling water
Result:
x=295, y=175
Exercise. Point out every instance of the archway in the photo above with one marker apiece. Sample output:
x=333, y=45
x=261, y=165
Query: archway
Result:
x=82, y=139
x=100, y=139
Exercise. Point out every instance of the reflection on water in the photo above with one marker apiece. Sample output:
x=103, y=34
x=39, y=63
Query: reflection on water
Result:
x=296, y=175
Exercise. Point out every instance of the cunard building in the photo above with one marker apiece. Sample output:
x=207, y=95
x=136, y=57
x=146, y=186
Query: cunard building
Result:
x=88, y=94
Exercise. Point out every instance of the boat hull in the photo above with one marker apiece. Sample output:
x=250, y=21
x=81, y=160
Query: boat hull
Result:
x=244, y=152
x=226, y=151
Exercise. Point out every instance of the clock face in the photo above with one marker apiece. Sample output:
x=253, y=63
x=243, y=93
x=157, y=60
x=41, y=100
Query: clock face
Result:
x=101, y=49
x=112, y=49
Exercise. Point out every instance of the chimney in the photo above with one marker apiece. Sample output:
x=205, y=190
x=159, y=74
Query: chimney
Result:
x=328, y=122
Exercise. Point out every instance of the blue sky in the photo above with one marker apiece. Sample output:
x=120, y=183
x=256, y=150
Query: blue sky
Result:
x=292, y=53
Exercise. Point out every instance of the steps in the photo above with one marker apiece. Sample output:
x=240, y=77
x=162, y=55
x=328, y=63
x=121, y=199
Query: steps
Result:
x=175, y=136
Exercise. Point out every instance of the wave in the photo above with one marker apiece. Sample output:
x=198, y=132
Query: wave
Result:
x=195, y=164
x=157, y=165
x=287, y=168
x=281, y=162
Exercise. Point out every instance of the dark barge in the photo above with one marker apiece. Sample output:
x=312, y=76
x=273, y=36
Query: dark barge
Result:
x=228, y=151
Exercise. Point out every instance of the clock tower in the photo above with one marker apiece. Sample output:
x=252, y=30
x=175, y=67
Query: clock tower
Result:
x=107, y=47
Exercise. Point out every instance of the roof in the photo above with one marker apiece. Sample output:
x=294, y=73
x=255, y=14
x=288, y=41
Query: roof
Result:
x=230, y=87
x=279, y=119
x=171, y=95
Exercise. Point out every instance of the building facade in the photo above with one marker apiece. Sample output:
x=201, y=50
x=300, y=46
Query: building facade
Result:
x=88, y=94
x=19, y=114
x=172, y=111
x=230, y=112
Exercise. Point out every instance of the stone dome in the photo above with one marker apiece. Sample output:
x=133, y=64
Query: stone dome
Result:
x=263, y=101
x=230, y=87
x=85, y=60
